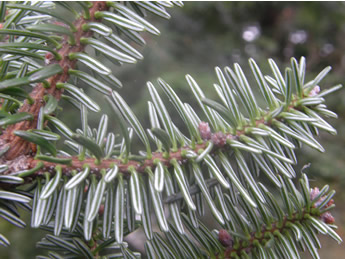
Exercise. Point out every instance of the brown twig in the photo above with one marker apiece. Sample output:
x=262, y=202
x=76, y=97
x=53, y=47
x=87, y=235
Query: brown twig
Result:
x=218, y=139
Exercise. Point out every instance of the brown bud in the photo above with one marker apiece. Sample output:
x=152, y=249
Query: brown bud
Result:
x=331, y=202
x=327, y=218
x=48, y=57
x=224, y=238
x=101, y=210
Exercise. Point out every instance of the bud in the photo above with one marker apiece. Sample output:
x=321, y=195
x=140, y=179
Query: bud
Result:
x=205, y=131
x=314, y=192
x=331, y=202
x=219, y=139
x=327, y=218
x=314, y=91
x=101, y=210
x=48, y=57
x=224, y=238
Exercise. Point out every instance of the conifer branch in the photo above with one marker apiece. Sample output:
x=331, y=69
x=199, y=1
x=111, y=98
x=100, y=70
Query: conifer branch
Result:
x=17, y=145
x=219, y=141
x=235, y=250
x=278, y=230
x=91, y=198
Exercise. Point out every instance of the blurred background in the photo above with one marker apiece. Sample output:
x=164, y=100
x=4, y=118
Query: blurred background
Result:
x=203, y=35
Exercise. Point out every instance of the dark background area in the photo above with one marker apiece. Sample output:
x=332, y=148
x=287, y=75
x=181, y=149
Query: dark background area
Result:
x=203, y=35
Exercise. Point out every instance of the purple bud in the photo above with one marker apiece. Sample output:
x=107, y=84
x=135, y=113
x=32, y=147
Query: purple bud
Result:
x=219, y=139
x=315, y=91
x=314, y=192
x=327, y=218
x=205, y=131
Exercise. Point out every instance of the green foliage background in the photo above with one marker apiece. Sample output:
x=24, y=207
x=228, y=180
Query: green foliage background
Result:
x=203, y=35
